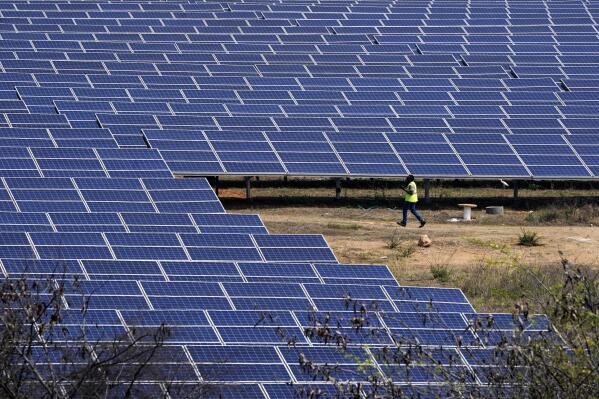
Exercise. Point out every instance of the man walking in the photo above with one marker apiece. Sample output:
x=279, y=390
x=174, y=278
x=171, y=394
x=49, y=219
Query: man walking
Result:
x=410, y=200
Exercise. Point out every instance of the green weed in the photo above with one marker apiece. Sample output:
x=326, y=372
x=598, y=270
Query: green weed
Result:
x=405, y=251
x=529, y=239
x=440, y=273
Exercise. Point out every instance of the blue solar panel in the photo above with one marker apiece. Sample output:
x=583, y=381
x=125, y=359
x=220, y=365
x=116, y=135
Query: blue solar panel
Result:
x=101, y=103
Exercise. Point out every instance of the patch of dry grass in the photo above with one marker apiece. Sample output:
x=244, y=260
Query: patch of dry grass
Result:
x=497, y=287
x=566, y=214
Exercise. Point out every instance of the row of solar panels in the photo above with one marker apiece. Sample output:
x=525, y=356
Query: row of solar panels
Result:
x=189, y=152
x=190, y=101
x=198, y=89
x=484, y=104
x=238, y=329
x=204, y=271
x=191, y=42
x=23, y=55
x=80, y=162
x=269, y=297
x=255, y=23
x=217, y=223
x=33, y=37
x=489, y=104
x=192, y=88
x=428, y=154
x=235, y=328
x=493, y=64
x=76, y=195
x=292, y=68
x=131, y=124
x=378, y=7
x=267, y=364
x=410, y=42
x=166, y=246
x=538, y=105
x=309, y=19
x=193, y=152
x=253, y=12
x=300, y=5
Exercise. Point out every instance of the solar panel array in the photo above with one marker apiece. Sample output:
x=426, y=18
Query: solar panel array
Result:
x=361, y=88
x=101, y=103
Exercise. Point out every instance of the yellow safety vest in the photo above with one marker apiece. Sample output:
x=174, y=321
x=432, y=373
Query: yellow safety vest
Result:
x=411, y=197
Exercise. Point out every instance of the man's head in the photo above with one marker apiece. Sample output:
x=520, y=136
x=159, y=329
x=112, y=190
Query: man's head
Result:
x=409, y=178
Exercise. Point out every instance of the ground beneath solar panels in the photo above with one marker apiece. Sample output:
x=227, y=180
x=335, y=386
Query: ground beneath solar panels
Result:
x=467, y=253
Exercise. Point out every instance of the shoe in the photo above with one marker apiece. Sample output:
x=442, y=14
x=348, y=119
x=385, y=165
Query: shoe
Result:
x=422, y=224
x=402, y=224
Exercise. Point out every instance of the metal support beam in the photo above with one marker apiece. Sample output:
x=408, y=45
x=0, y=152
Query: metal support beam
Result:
x=248, y=187
x=427, y=191
x=515, y=183
x=285, y=178
x=337, y=188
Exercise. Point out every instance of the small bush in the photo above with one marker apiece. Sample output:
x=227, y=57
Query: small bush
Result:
x=394, y=241
x=529, y=239
x=543, y=216
x=440, y=273
x=587, y=213
x=405, y=251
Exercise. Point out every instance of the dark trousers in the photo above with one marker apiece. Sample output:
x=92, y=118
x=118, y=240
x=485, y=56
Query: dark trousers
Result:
x=410, y=206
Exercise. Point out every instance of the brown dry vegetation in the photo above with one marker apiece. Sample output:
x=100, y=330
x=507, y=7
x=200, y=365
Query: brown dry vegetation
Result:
x=482, y=257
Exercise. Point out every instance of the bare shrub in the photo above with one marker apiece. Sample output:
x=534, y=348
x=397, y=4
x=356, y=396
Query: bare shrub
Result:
x=395, y=240
x=44, y=355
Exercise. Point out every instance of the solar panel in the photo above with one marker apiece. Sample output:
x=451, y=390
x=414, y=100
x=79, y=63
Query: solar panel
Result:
x=102, y=103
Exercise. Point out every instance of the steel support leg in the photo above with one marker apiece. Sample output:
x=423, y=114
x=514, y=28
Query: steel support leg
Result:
x=248, y=188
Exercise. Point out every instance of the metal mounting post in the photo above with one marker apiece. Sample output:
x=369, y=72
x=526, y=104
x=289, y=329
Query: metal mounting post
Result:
x=248, y=187
x=337, y=188
x=427, y=191
x=515, y=183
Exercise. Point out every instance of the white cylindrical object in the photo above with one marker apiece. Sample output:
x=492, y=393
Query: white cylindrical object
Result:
x=467, y=213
